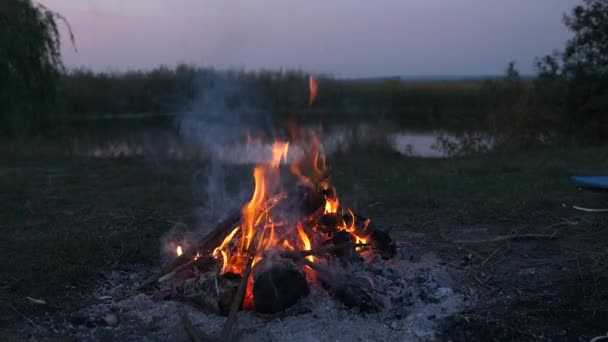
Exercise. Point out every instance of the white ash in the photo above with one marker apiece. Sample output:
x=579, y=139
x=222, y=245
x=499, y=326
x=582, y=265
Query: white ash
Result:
x=417, y=293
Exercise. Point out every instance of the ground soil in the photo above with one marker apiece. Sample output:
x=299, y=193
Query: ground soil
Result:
x=65, y=221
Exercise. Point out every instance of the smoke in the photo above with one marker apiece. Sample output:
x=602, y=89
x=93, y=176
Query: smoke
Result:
x=216, y=125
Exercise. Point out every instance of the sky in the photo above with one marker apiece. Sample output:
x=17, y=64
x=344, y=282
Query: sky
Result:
x=346, y=38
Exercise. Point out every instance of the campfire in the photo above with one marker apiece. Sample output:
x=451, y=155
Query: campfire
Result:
x=292, y=234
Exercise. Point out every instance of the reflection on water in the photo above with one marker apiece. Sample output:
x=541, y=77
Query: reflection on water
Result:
x=417, y=144
x=169, y=145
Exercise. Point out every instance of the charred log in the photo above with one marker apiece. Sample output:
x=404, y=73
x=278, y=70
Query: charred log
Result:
x=381, y=241
x=383, y=244
x=227, y=287
x=352, y=292
x=328, y=224
x=356, y=294
x=278, y=285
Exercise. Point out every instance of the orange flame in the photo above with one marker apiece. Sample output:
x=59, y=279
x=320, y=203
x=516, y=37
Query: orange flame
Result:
x=305, y=241
x=331, y=205
x=221, y=250
x=313, y=89
x=256, y=212
x=179, y=250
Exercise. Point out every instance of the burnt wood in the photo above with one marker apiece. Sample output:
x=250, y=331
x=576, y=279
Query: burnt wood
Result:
x=278, y=285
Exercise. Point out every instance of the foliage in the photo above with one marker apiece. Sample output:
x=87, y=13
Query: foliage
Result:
x=30, y=67
x=581, y=71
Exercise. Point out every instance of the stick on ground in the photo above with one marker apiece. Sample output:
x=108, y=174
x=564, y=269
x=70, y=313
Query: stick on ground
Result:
x=510, y=237
x=192, y=332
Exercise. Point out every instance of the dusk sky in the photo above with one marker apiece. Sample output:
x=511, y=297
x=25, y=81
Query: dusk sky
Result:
x=347, y=38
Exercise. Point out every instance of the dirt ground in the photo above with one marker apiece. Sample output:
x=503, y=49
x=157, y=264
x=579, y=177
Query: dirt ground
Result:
x=503, y=223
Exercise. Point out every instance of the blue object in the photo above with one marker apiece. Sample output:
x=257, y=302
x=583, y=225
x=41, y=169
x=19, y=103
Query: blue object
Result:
x=598, y=182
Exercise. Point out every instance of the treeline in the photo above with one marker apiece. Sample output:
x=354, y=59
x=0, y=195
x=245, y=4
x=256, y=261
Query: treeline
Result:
x=566, y=103
x=167, y=90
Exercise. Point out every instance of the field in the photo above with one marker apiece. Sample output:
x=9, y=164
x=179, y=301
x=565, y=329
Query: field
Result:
x=67, y=220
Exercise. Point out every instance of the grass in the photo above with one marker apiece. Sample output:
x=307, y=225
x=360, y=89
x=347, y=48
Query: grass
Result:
x=65, y=220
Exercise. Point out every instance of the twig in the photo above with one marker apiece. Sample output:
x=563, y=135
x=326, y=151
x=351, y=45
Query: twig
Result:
x=510, y=237
x=209, y=242
x=25, y=317
x=164, y=271
x=578, y=267
x=192, y=332
x=489, y=257
x=590, y=210
x=236, y=302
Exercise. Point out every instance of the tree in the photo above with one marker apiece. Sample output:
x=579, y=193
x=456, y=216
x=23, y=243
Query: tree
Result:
x=582, y=68
x=30, y=67
x=587, y=53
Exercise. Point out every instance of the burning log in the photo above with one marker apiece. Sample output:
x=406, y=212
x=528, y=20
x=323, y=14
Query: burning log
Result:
x=207, y=244
x=237, y=301
x=277, y=285
x=329, y=223
x=320, y=251
x=381, y=241
x=215, y=237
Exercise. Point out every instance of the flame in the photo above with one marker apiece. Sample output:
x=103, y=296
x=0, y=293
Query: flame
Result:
x=256, y=213
x=221, y=250
x=179, y=250
x=331, y=205
x=305, y=241
x=287, y=245
x=313, y=88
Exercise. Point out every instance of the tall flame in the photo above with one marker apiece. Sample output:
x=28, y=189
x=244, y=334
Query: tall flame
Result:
x=313, y=89
x=266, y=179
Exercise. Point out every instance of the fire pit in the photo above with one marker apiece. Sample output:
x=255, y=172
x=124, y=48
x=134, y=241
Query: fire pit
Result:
x=292, y=233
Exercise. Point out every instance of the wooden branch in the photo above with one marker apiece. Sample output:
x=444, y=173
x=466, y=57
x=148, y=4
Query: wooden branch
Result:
x=353, y=294
x=215, y=237
x=510, y=237
x=237, y=301
x=209, y=242
x=590, y=210
x=163, y=271
x=192, y=332
x=321, y=250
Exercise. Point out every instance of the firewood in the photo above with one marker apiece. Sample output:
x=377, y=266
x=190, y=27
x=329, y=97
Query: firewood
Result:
x=237, y=300
x=227, y=287
x=208, y=243
x=320, y=251
x=172, y=268
x=328, y=223
x=383, y=244
x=277, y=285
x=215, y=237
x=348, y=290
